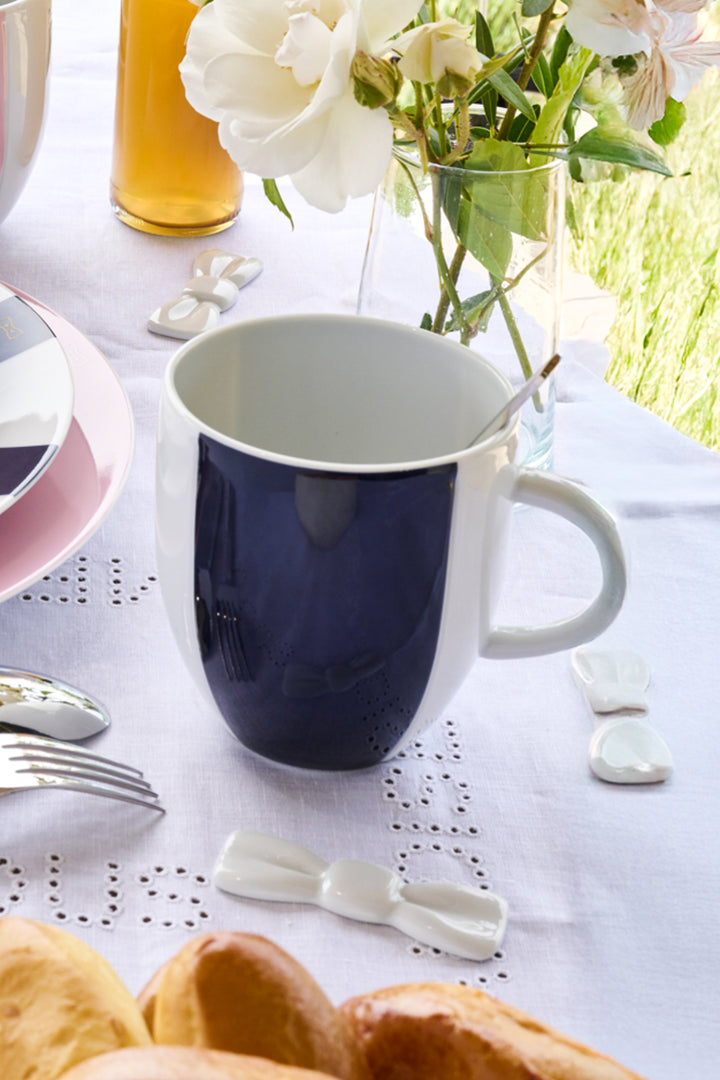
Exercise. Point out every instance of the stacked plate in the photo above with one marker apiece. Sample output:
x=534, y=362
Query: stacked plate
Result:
x=66, y=440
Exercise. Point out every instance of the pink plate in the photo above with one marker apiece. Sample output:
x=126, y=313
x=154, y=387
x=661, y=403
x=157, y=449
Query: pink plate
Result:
x=76, y=493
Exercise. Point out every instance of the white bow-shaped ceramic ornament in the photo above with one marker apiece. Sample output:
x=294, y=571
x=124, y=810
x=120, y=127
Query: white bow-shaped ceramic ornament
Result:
x=624, y=748
x=459, y=919
x=219, y=276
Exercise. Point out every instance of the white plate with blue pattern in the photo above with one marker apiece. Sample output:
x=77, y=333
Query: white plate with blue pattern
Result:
x=36, y=396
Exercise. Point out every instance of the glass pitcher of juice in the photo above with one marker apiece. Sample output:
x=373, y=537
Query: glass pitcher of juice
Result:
x=170, y=174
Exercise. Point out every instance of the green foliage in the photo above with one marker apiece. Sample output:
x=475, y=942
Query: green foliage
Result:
x=273, y=194
x=509, y=89
x=510, y=193
x=531, y=8
x=652, y=243
x=619, y=147
x=665, y=131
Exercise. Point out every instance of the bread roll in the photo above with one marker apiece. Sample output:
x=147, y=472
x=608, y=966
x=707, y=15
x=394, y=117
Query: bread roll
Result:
x=429, y=1031
x=60, y=1002
x=147, y=997
x=240, y=992
x=184, y=1063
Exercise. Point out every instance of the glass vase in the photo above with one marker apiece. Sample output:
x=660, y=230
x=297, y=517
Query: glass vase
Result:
x=170, y=175
x=477, y=255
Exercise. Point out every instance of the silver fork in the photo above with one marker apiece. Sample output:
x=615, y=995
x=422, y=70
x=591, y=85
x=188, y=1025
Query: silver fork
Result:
x=31, y=761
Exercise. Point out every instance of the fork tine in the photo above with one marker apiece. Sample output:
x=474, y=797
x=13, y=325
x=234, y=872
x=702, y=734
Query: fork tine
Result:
x=89, y=787
x=75, y=765
x=55, y=746
x=36, y=761
x=48, y=767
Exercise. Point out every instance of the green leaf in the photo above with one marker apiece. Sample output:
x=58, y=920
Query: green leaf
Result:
x=426, y=321
x=271, y=190
x=521, y=128
x=509, y=89
x=499, y=63
x=488, y=241
x=509, y=192
x=507, y=62
x=620, y=147
x=548, y=129
x=560, y=48
x=496, y=155
x=489, y=99
x=665, y=130
x=483, y=36
x=477, y=311
x=535, y=7
x=542, y=76
x=451, y=194
x=575, y=169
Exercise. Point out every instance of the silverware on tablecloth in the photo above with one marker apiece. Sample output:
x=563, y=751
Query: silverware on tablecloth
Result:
x=624, y=748
x=30, y=761
x=47, y=706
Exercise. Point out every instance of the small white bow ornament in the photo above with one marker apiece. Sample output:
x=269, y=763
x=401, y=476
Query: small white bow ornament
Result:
x=460, y=919
x=219, y=276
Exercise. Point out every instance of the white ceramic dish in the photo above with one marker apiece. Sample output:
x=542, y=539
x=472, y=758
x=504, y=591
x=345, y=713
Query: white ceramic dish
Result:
x=36, y=396
x=84, y=480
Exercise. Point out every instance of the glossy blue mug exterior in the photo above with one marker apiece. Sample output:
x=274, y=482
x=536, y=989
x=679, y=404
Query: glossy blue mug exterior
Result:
x=328, y=547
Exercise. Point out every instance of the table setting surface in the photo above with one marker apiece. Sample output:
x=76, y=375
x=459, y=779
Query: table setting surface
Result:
x=612, y=889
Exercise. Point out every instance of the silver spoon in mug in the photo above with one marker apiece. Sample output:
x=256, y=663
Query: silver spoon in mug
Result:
x=47, y=706
x=501, y=418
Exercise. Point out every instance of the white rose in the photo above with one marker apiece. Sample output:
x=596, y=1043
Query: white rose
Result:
x=275, y=74
x=438, y=51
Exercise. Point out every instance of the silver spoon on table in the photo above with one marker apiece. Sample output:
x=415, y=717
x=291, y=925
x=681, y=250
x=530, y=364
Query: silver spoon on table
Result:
x=46, y=706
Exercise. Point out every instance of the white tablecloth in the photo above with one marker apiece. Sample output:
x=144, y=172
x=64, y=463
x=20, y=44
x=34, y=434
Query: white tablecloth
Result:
x=613, y=891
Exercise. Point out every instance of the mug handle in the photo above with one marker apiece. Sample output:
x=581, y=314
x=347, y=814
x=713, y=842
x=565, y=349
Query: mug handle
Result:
x=550, y=492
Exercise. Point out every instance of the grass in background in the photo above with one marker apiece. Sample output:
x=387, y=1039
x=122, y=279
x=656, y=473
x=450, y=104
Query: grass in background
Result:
x=653, y=243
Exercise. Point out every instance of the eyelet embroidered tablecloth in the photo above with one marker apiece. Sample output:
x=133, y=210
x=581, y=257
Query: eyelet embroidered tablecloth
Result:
x=613, y=891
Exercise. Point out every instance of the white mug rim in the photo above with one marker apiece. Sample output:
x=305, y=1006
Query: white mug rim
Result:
x=498, y=438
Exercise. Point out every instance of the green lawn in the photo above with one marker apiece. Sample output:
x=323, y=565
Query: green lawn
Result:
x=653, y=243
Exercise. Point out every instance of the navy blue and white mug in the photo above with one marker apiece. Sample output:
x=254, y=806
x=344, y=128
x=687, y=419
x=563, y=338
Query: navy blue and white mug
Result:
x=329, y=550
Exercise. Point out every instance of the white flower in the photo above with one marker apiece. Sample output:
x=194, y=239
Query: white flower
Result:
x=610, y=27
x=691, y=6
x=275, y=74
x=677, y=61
x=438, y=52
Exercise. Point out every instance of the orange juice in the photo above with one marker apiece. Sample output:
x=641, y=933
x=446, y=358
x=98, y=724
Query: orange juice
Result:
x=169, y=173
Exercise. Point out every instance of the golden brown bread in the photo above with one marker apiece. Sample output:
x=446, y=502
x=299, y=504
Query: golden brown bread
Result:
x=240, y=992
x=439, y=1031
x=184, y=1063
x=148, y=995
x=60, y=1002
